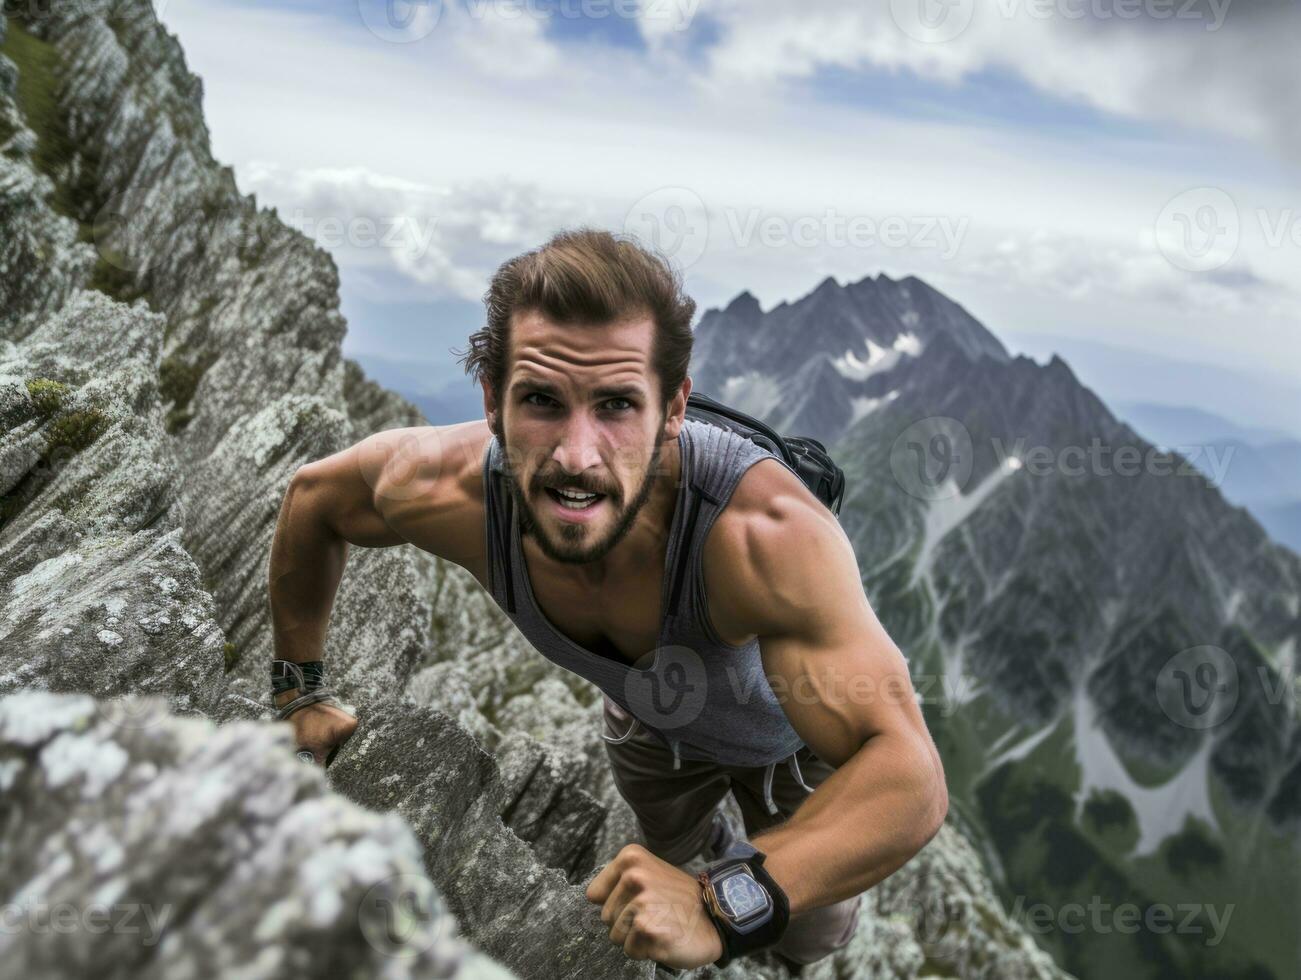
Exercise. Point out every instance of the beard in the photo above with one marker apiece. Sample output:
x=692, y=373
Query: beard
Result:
x=569, y=547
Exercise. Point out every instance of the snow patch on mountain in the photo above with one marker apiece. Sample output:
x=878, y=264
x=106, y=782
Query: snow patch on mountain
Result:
x=857, y=367
x=753, y=393
x=1160, y=810
x=865, y=406
x=952, y=508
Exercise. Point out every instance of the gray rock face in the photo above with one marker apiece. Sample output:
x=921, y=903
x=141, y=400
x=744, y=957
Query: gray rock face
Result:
x=141, y=844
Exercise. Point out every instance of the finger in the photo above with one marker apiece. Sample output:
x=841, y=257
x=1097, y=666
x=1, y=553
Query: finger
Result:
x=615, y=900
x=637, y=945
x=598, y=889
x=621, y=929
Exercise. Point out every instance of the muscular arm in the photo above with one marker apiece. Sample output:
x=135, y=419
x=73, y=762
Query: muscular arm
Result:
x=401, y=486
x=792, y=579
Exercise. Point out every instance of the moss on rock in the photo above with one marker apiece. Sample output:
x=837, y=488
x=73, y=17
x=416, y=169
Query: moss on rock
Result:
x=178, y=379
x=48, y=396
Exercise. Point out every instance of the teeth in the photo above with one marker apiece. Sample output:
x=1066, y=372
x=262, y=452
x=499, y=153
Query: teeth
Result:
x=573, y=499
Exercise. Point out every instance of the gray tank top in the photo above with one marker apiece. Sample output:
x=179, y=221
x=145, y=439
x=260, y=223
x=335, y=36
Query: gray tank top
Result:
x=704, y=698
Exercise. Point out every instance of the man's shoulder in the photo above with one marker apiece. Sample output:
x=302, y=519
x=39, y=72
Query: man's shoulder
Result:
x=755, y=549
x=431, y=487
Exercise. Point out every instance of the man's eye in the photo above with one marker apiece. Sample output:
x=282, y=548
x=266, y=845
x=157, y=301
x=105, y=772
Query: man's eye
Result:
x=536, y=394
x=624, y=400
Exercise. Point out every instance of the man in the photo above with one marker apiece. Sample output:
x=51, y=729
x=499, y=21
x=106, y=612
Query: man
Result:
x=683, y=570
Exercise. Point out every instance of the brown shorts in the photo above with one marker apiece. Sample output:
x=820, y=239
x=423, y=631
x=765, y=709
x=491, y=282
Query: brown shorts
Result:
x=675, y=810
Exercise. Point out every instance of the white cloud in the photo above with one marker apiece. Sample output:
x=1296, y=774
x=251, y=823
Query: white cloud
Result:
x=1213, y=65
x=449, y=238
x=497, y=157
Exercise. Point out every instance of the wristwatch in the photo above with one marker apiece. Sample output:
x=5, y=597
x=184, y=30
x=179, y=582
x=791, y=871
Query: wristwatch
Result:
x=748, y=908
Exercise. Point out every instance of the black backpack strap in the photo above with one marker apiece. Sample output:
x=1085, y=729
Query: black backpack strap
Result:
x=684, y=551
x=807, y=457
x=492, y=489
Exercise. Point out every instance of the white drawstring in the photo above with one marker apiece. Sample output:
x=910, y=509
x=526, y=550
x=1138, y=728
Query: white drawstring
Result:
x=632, y=730
x=795, y=769
x=677, y=760
x=771, y=771
x=767, y=787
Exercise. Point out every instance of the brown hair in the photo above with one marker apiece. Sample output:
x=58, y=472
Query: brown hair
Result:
x=586, y=276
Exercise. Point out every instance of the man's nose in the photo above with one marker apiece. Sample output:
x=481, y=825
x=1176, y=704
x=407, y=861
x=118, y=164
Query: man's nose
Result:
x=579, y=447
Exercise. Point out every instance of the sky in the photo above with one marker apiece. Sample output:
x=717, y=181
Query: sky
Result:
x=1121, y=174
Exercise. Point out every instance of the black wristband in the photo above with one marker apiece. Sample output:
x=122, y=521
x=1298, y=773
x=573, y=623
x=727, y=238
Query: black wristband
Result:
x=737, y=943
x=286, y=675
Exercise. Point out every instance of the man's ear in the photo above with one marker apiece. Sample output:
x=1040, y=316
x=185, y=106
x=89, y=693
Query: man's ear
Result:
x=676, y=415
x=489, y=404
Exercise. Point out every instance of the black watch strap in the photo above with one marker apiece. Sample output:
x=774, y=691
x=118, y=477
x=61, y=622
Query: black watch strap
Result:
x=736, y=943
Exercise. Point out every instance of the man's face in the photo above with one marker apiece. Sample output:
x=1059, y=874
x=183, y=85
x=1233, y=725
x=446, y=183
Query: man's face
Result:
x=581, y=411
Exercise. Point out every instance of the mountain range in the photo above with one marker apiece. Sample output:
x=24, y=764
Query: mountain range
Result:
x=1105, y=646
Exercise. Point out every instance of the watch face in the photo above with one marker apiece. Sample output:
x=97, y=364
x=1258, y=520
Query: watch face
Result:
x=741, y=896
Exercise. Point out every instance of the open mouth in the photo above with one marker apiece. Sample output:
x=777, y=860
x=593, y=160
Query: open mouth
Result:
x=575, y=500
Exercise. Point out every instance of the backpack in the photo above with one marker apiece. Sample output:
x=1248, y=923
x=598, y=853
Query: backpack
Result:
x=805, y=455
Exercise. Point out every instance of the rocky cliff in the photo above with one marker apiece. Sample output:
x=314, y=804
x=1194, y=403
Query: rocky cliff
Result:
x=169, y=355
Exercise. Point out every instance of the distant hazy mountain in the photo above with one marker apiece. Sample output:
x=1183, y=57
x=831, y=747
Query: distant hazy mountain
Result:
x=1173, y=425
x=1105, y=647
x=1259, y=469
x=1261, y=399
x=425, y=385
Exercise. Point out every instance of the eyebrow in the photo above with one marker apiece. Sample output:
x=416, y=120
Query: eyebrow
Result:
x=551, y=391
